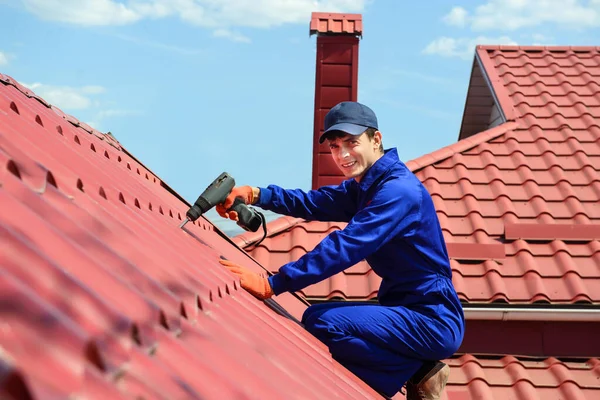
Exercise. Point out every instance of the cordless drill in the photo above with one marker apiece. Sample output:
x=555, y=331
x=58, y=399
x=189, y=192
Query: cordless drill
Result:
x=216, y=193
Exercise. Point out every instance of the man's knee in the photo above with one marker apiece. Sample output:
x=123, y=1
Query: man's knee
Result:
x=308, y=313
x=314, y=311
x=312, y=321
x=320, y=326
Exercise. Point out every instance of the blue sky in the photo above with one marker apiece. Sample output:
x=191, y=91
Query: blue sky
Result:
x=196, y=87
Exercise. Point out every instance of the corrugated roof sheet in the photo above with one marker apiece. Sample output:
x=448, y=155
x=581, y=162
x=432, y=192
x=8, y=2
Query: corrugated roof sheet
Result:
x=103, y=296
x=541, y=169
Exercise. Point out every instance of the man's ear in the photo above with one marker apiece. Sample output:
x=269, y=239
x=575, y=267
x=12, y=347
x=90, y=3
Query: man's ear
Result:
x=377, y=139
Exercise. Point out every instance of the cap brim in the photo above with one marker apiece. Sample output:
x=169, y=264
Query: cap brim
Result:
x=351, y=129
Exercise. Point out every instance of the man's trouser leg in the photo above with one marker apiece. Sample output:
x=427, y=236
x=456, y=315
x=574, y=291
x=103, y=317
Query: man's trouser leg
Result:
x=384, y=346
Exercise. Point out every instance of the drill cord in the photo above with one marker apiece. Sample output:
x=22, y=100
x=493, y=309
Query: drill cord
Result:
x=264, y=224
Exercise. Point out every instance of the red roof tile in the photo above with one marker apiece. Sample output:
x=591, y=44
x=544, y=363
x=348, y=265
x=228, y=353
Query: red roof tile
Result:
x=489, y=188
x=100, y=287
x=336, y=23
x=512, y=378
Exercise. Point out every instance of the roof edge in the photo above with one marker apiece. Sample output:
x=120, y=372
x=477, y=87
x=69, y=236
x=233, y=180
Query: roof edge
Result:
x=530, y=314
x=469, y=87
x=487, y=47
x=495, y=84
x=460, y=146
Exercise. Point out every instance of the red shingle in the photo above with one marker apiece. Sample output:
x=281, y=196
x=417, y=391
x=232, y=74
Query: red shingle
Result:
x=542, y=168
x=100, y=287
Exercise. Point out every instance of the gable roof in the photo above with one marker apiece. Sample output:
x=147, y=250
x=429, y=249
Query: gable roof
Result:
x=518, y=202
x=100, y=286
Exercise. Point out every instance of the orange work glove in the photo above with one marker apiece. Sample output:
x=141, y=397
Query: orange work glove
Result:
x=258, y=286
x=246, y=193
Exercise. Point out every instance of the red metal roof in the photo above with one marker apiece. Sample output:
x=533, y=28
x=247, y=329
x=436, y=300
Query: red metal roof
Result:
x=335, y=23
x=518, y=203
x=103, y=296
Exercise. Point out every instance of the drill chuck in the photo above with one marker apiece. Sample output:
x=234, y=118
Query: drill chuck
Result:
x=214, y=194
x=200, y=207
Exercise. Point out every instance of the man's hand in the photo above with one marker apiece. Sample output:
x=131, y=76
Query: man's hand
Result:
x=248, y=194
x=258, y=286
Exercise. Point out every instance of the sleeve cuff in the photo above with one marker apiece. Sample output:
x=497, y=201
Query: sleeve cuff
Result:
x=277, y=283
x=264, y=197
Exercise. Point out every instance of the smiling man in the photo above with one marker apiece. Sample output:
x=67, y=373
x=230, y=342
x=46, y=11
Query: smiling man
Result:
x=392, y=224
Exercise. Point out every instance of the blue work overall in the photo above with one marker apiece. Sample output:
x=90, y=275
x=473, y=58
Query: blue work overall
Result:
x=392, y=224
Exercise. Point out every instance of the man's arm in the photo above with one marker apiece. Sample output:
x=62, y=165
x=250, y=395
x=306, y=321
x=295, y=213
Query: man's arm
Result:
x=328, y=203
x=395, y=209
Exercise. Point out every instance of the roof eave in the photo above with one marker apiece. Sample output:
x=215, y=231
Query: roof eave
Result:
x=532, y=314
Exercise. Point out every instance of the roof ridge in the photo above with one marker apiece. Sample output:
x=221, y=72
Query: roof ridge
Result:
x=274, y=227
x=538, y=48
x=460, y=146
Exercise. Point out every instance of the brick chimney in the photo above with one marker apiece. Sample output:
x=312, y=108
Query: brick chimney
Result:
x=336, y=80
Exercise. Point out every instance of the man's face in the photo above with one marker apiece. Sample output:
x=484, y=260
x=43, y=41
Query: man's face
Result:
x=354, y=155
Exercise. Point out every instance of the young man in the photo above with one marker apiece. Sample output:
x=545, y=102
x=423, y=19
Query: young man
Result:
x=392, y=224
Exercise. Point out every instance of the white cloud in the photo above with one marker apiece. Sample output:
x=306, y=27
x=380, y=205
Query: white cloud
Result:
x=463, y=47
x=456, y=17
x=236, y=37
x=515, y=14
x=538, y=39
x=83, y=99
x=115, y=113
x=99, y=117
x=221, y=14
x=83, y=12
x=66, y=97
x=3, y=58
x=92, y=89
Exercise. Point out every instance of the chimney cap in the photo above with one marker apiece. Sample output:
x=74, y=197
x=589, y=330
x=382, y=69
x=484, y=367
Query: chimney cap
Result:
x=336, y=24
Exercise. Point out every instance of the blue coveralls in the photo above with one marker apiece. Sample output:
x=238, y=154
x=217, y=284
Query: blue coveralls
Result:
x=393, y=225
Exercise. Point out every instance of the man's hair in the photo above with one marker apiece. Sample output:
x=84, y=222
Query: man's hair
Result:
x=370, y=133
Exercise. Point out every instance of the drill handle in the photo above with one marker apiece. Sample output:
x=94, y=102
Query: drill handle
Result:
x=248, y=219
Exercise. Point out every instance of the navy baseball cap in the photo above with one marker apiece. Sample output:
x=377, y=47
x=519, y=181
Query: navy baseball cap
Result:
x=350, y=117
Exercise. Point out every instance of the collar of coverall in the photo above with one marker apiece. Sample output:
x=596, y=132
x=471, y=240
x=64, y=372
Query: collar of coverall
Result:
x=389, y=158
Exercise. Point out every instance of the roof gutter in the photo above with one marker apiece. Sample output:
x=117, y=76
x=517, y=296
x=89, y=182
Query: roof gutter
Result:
x=531, y=314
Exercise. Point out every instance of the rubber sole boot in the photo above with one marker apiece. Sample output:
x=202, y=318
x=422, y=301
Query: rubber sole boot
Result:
x=431, y=385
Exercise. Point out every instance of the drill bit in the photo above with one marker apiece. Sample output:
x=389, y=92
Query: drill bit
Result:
x=185, y=221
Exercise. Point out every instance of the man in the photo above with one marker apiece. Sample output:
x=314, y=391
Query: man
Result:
x=392, y=224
